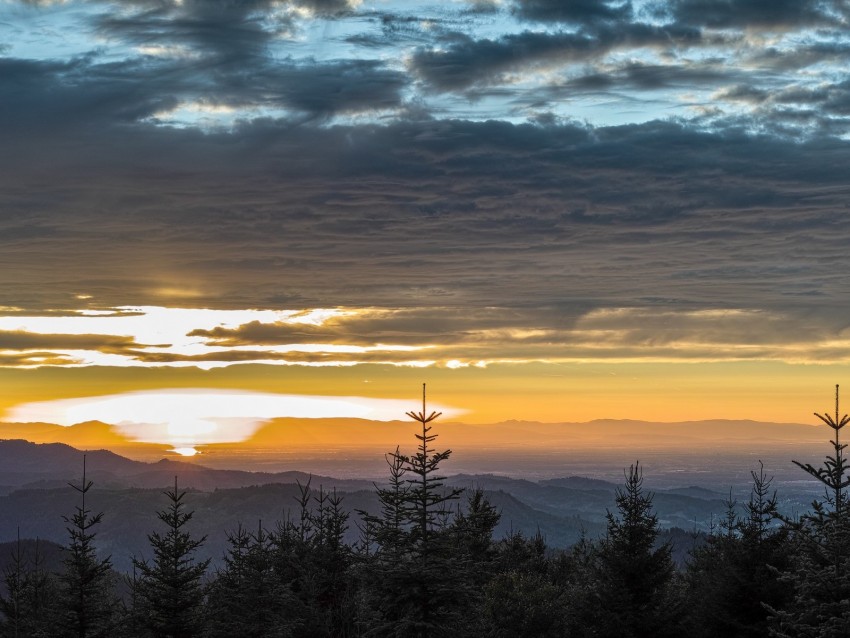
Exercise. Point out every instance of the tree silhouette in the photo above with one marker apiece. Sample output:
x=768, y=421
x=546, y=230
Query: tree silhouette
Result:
x=29, y=602
x=634, y=576
x=417, y=589
x=820, y=569
x=171, y=588
x=247, y=599
x=88, y=608
x=734, y=576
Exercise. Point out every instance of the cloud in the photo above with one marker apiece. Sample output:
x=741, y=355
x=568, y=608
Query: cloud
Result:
x=580, y=11
x=112, y=344
x=466, y=62
x=544, y=159
x=789, y=14
x=457, y=213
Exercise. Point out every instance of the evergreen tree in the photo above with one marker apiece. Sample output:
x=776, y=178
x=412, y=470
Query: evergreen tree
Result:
x=417, y=589
x=87, y=605
x=473, y=556
x=734, y=575
x=246, y=599
x=820, y=569
x=388, y=530
x=28, y=605
x=523, y=599
x=472, y=529
x=312, y=564
x=171, y=588
x=635, y=579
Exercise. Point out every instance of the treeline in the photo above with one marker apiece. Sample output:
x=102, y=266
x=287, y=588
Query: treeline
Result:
x=427, y=565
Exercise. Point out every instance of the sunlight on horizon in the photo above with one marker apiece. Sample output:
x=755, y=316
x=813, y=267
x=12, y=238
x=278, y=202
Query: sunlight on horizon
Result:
x=199, y=416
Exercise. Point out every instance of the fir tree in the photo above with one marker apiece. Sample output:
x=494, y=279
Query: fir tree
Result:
x=171, y=588
x=388, y=530
x=312, y=564
x=820, y=569
x=247, y=599
x=87, y=605
x=418, y=590
x=635, y=577
x=523, y=598
x=734, y=575
x=28, y=606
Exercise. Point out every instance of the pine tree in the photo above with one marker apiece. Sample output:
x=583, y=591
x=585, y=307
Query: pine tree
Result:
x=820, y=569
x=30, y=593
x=247, y=599
x=87, y=603
x=523, y=598
x=417, y=590
x=171, y=588
x=312, y=565
x=635, y=577
x=734, y=575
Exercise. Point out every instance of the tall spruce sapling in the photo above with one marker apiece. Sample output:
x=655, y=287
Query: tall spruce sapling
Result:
x=12, y=600
x=171, y=588
x=87, y=603
x=820, y=568
x=416, y=588
x=429, y=506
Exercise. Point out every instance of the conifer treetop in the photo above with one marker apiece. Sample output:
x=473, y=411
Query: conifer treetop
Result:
x=421, y=416
x=833, y=474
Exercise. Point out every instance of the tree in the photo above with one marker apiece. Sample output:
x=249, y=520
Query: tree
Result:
x=171, y=588
x=524, y=598
x=30, y=590
x=312, y=563
x=247, y=599
x=634, y=577
x=735, y=574
x=86, y=604
x=820, y=569
x=416, y=589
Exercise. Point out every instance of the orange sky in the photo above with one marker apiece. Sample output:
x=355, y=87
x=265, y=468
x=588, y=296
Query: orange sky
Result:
x=214, y=376
x=531, y=391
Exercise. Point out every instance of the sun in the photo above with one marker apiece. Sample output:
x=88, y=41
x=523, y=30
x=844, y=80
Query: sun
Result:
x=185, y=451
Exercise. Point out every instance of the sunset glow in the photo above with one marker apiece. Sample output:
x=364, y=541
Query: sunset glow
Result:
x=547, y=210
x=199, y=416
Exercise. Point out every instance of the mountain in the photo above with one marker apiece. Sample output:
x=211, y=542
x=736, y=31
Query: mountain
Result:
x=48, y=465
x=89, y=435
x=283, y=436
x=130, y=493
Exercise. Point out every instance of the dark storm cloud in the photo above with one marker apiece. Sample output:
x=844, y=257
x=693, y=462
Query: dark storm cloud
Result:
x=578, y=11
x=465, y=62
x=637, y=76
x=48, y=95
x=85, y=93
x=232, y=28
x=753, y=13
x=428, y=213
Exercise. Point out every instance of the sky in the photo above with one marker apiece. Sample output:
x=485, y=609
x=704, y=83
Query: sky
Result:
x=547, y=210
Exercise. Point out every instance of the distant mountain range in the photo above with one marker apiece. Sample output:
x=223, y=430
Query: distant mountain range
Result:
x=289, y=435
x=35, y=496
